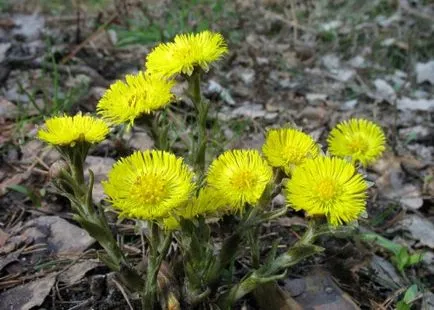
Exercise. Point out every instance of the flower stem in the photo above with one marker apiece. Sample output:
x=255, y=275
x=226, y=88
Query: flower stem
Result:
x=92, y=218
x=201, y=107
x=272, y=271
x=155, y=258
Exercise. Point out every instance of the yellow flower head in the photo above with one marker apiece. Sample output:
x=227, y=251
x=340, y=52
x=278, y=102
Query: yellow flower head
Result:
x=361, y=140
x=239, y=177
x=287, y=148
x=186, y=52
x=68, y=130
x=328, y=186
x=148, y=185
x=207, y=202
x=140, y=94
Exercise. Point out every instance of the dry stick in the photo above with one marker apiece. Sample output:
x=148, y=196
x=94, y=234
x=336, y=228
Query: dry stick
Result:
x=124, y=294
x=406, y=7
x=90, y=38
x=82, y=305
x=288, y=22
x=28, y=63
x=294, y=17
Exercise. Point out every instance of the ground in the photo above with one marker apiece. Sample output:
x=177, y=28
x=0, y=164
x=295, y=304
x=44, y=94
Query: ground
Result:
x=309, y=64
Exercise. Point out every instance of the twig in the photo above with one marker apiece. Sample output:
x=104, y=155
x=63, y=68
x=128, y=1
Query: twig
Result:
x=288, y=22
x=82, y=305
x=403, y=4
x=90, y=38
x=122, y=290
x=294, y=18
x=29, y=63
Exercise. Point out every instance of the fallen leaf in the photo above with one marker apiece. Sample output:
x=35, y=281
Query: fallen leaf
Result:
x=420, y=229
x=410, y=196
x=10, y=258
x=59, y=235
x=384, y=273
x=427, y=300
x=77, y=271
x=28, y=26
x=3, y=49
x=250, y=110
x=4, y=236
x=8, y=110
x=6, y=131
x=14, y=180
x=384, y=91
x=415, y=133
x=357, y=62
x=348, y=105
x=332, y=25
x=316, y=99
x=214, y=88
x=247, y=75
x=27, y=296
x=319, y=292
x=391, y=183
x=406, y=103
x=425, y=72
x=336, y=69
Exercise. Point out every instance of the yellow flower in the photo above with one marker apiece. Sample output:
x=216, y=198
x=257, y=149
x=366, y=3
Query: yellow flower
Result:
x=286, y=148
x=207, y=202
x=140, y=94
x=149, y=185
x=361, y=140
x=186, y=52
x=328, y=186
x=68, y=130
x=239, y=177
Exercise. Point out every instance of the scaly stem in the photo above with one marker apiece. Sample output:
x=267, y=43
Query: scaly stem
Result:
x=93, y=219
x=159, y=129
x=201, y=112
x=155, y=258
x=253, y=236
x=150, y=293
x=267, y=273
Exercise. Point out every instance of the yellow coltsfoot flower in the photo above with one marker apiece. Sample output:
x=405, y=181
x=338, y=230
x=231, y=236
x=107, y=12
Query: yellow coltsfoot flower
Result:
x=239, y=177
x=359, y=139
x=328, y=186
x=287, y=148
x=140, y=94
x=207, y=202
x=68, y=130
x=149, y=185
x=186, y=52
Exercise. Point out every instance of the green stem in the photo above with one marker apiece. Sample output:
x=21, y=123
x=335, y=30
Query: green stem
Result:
x=201, y=107
x=160, y=132
x=159, y=128
x=158, y=252
x=253, y=236
x=150, y=293
x=273, y=271
x=93, y=220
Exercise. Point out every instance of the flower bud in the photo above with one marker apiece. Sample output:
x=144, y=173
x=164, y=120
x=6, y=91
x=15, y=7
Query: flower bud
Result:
x=57, y=168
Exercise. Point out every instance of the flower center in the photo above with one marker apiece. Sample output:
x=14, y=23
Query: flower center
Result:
x=327, y=189
x=295, y=156
x=358, y=144
x=149, y=188
x=243, y=180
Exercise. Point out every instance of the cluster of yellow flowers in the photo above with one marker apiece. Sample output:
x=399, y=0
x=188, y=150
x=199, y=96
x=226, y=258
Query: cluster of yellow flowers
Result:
x=157, y=185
